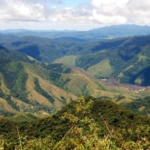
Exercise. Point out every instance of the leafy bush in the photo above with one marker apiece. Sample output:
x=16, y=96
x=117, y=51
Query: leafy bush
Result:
x=86, y=124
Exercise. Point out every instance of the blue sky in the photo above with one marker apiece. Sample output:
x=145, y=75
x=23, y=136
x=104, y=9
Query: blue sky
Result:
x=72, y=14
x=67, y=3
x=74, y=3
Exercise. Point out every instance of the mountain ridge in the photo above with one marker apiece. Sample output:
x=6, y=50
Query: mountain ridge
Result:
x=44, y=88
x=49, y=86
x=107, y=32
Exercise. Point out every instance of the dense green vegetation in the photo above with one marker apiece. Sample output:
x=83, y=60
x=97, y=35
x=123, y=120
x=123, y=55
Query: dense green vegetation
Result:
x=135, y=105
x=71, y=80
x=60, y=68
x=13, y=55
x=87, y=123
x=15, y=78
x=55, y=71
x=128, y=58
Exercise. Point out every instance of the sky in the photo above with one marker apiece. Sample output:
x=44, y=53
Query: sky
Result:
x=72, y=14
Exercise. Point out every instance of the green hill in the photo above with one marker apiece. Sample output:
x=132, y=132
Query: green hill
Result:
x=27, y=85
x=87, y=123
x=125, y=59
x=8, y=54
x=34, y=87
x=30, y=89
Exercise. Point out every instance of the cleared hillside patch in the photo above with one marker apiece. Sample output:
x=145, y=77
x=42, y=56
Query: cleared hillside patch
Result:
x=33, y=95
x=102, y=69
x=4, y=106
x=3, y=86
x=67, y=60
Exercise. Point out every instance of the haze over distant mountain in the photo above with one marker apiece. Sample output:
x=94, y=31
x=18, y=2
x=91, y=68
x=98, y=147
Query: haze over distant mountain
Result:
x=107, y=32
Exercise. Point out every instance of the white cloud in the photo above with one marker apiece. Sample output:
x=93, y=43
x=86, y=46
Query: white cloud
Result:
x=105, y=3
x=108, y=19
x=107, y=11
x=56, y=1
x=22, y=11
x=137, y=11
x=121, y=11
x=99, y=12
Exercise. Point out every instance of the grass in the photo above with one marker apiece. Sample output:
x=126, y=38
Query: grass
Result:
x=67, y=60
x=73, y=85
x=139, y=80
x=24, y=116
x=141, y=108
x=56, y=92
x=82, y=143
x=80, y=84
x=4, y=106
x=33, y=95
x=142, y=57
x=4, y=88
x=101, y=70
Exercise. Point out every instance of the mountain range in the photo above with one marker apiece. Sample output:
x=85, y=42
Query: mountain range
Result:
x=126, y=59
x=35, y=87
x=75, y=90
x=108, y=32
x=40, y=75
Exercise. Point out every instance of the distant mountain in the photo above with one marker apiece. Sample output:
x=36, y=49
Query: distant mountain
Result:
x=108, y=32
x=13, y=31
x=117, y=31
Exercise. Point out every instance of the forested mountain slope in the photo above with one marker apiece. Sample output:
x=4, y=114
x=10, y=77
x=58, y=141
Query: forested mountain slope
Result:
x=125, y=59
x=27, y=85
x=41, y=77
x=23, y=89
x=30, y=86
